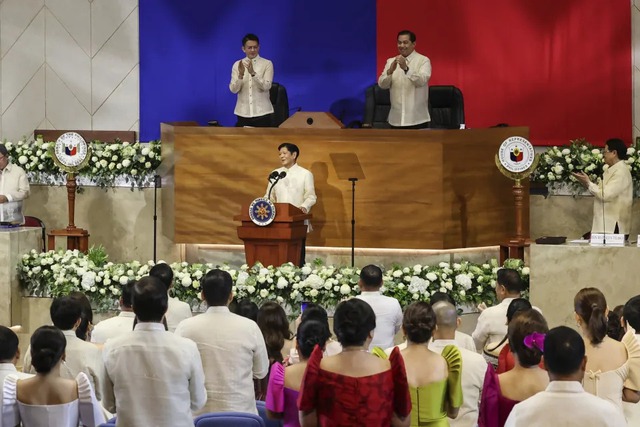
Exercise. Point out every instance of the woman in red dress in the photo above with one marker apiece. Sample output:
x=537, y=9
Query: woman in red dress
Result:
x=354, y=388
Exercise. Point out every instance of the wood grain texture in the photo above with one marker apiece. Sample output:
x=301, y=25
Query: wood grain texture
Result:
x=432, y=189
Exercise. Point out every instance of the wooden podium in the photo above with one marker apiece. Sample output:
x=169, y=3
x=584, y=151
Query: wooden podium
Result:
x=276, y=243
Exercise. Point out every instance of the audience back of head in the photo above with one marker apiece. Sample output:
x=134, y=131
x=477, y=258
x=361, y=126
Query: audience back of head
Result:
x=150, y=299
x=216, y=287
x=614, y=326
x=631, y=313
x=311, y=333
x=418, y=322
x=518, y=304
x=371, y=276
x=353, y=321
x=163, y=272
x=65, y=312
x=523, y=324
x=247, y=308
x=437, y=297
x=591, y=305
x=127, y=294
x=48, y=344
x=8, y=345
x=510, y=279
x=273, y=322
x=315, y=312
x=446, y=315
x=564, y=352
x=83, y=330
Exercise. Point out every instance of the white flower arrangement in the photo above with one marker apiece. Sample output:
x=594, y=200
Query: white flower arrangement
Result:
x=52, y=274
x=135, y=162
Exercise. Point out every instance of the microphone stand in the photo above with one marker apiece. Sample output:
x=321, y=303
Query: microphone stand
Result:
x=273, y=185
x=353, y=220
x=157, y=183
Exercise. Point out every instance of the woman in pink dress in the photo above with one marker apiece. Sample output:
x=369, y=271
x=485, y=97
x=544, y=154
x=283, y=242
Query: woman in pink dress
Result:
x=284, y=383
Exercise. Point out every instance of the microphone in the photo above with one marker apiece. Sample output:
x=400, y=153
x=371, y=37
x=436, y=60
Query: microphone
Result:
x=278, y=177
x=273, y=175
x=282, y=175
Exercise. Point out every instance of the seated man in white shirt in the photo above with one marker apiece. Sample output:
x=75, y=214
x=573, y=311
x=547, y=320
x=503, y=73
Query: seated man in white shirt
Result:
x=9, y=356
x=387, y=309
x=178, y=310
x=492, y=322
x=154, y=378
x=232, y=348
x=121, y=324
x=474, y=366
x=564, y=402
x=81, y=356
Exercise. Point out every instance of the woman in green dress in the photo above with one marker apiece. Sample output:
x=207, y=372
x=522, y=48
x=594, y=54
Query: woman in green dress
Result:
x=434, y=379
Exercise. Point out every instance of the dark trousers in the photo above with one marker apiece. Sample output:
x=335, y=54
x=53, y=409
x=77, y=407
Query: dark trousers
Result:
x=424, y=125
x=256, y=122
x=303, y=252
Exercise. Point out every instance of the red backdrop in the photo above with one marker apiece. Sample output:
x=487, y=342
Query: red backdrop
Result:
x=563, y=68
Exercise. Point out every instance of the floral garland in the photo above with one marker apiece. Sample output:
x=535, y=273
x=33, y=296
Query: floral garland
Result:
x=134, y=163
x=557, y=164
x=52, y=274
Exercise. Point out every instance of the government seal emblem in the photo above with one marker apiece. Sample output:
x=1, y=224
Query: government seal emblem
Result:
x=71, y=152
x=516, y=154
x=262, y=211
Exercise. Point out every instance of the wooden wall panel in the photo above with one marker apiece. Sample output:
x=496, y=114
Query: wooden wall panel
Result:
x=410, y=197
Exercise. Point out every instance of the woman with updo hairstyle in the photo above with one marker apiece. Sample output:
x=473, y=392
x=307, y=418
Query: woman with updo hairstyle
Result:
x=85, y=328
x=318, y=313
x=506, y=361
x=354, y=388
x=47, y=399
x=613, y=367
x=500, y=393
x=284, y=383
x=434, y=379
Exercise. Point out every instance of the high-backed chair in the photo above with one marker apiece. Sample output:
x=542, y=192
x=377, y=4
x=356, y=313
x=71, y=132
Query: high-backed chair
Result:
x=32, y=221
x=446, y=106
x=280, y=101
x=228, y=419
x=262, y=411
x=377, y=105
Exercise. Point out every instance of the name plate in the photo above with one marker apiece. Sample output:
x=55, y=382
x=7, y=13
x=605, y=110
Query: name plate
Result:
x=601, y=239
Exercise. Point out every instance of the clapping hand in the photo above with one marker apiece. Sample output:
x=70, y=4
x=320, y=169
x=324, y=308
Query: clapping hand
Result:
x=402, y=62
x=582, y=178
x=241, y=69
x=249, y=66
x=393, y=67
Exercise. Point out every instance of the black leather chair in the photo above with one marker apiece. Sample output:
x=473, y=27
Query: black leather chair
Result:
x=446, y=106
x=377, y=104
x=280, y=101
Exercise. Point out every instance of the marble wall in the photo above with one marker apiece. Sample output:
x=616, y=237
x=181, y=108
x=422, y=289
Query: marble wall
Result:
x=68, y=64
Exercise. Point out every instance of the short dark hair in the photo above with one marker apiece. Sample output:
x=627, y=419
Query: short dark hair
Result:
x=563, y=351
x=440, y=297
x=273, y=322
x=150, y=300
x=127, y=292
x=619, y=146
x=3, y=150
x=163, y=272
x=614, y=328
x=8, y=344
x=353, y=321
x=247, y=308
x=47, y=347
x=411, y=34
x=631, y=312
x=590, y=304
x=510, y=279
x=315, y=312
x=310, y=334
x=418, y=322
x=65, y=312
x=525, y=323
x=517, y=305
x=371, y=276
x=216, y=287
x=292, y=148
x=82, y=331
x=250, y=37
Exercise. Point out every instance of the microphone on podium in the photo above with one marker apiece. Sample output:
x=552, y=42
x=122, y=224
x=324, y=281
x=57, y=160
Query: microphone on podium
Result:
x=273, y=175
x=277, y=176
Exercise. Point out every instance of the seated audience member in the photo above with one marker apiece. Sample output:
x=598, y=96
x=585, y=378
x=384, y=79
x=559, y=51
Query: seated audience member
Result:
x=47, y=399
x=284, y=383
x=154, y=377
x=246, y=308
x=9, y=356
x=473, y=365
x=615, y=329
x=502, y=392
x=85, y=328
x=317, y=313
x=387, y=309
x=119, y=325
x=506, y=361
x=231, y=347
x=631, y=321
x=80, y=355
x=613, y=368
x=354, y=387
x=462, y=340
x=433, y=377
x=491, y=326
x=564, y=402
x=178, y=310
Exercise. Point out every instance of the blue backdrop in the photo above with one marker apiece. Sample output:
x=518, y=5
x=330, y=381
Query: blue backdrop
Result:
x=324, y=53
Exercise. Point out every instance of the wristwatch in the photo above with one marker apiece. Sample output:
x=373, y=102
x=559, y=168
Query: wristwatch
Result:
x=406, y=71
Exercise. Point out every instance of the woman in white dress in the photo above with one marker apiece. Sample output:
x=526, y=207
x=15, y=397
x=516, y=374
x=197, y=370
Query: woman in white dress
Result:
x=48, y=400
x=613, y=368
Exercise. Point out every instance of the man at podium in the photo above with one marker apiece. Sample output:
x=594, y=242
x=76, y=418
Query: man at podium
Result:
x=14, y=187
x=293, y=184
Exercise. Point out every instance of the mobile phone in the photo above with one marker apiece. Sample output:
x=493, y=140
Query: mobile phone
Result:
x=303, y=306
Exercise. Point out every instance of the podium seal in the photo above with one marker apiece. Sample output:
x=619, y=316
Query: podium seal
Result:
x=262, y=211
x=71, y=152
